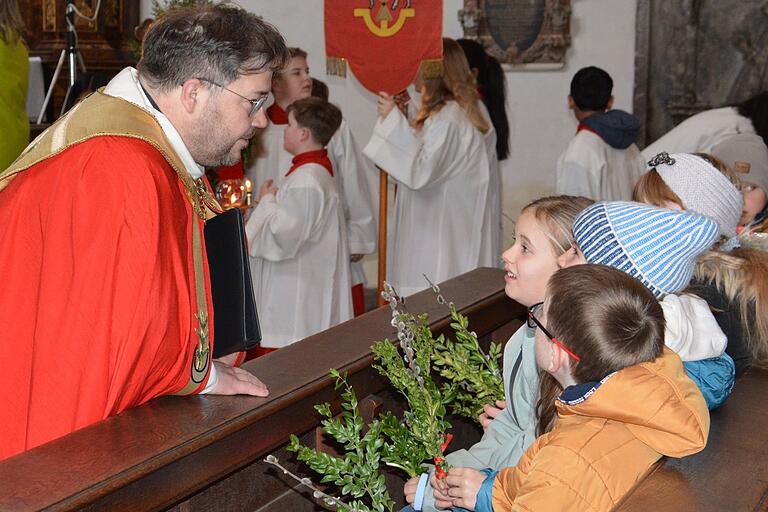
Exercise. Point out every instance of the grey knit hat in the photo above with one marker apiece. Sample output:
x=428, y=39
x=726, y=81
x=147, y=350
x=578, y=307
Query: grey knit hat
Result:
x=701, y=188
x=745, y=153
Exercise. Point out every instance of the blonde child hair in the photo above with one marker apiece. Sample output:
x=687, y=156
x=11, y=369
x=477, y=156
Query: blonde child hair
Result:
x=457, y=83
x=557, y=214
x=740, y=273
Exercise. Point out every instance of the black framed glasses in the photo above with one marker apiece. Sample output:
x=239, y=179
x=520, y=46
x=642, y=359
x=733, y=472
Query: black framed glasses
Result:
x=255, y=104
x=534, y=322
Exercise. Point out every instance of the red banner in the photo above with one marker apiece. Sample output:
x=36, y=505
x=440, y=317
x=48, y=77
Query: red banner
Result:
x=383, y=41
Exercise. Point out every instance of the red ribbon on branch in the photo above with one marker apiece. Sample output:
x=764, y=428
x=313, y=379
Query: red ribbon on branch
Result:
x=440, y=461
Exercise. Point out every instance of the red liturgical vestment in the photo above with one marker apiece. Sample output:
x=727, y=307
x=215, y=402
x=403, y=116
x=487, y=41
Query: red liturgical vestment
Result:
x=100, y=307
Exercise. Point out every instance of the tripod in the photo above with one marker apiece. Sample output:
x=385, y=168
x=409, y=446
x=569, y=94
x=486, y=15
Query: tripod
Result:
x=73, y=57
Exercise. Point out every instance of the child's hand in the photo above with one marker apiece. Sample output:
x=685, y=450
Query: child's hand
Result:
x=267, y=187
x=354, y=258
x=410, y=489
x=464, y=485
x=385, y=105
x=440, y=490
x=490, y=412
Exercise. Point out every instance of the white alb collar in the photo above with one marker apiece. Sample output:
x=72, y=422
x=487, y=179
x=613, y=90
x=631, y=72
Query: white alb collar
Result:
x=126, y=86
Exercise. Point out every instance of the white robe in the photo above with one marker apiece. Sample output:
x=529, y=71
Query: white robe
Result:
x=700, y=133
x=494, y=191
x=590, y=167
x=439, y=223
x=357, y=182
x=300, y=258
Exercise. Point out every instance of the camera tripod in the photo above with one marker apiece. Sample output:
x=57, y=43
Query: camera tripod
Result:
x=73, y=57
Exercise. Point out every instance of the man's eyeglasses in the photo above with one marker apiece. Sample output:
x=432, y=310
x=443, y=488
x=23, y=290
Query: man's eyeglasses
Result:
x=534, y=322
x=255, y=104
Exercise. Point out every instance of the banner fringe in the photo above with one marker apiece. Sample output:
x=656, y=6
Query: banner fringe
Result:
x=432, y=68
x=336, y=66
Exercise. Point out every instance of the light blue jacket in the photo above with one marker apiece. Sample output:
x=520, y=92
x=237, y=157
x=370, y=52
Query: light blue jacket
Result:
x=514, y=429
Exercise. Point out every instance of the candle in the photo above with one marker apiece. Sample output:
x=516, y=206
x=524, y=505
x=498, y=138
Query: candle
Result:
x=248, y=193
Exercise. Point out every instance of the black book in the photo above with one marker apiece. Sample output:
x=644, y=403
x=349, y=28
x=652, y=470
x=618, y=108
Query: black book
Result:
x=235, y=321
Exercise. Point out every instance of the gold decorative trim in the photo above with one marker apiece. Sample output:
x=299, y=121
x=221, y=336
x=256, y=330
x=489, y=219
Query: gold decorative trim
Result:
x=49, y=15
x=549, y=47
x=336, y=66
x=431, y=68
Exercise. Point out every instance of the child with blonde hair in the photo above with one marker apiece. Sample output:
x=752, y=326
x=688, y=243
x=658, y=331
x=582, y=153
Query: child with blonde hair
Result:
x=626, y=400
x=731, y=278
x=446, y=218
x=542, y=234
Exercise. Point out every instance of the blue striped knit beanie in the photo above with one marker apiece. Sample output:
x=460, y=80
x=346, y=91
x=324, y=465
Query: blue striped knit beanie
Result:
x=657, y=246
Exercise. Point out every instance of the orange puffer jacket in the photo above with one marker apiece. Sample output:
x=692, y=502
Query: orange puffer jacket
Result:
x=601, y=447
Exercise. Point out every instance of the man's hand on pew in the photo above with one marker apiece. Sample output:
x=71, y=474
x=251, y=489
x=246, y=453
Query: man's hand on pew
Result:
x=490, y=412
x=236, y=381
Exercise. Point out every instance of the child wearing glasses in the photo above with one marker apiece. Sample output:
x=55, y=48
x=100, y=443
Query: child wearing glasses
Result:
x=626, y=236
x=626, y=400
x=541, y=247
x=542, y=233
x=296, y=235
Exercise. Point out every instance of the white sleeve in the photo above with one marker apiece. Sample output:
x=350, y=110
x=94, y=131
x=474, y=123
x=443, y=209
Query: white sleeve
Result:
x=577, y=176
x=213, y=379
x=415, y=160
x=277, y=229
x=691, y=329
x=358, y=183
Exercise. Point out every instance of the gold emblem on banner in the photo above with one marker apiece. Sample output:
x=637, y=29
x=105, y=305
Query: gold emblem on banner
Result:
x=384, y=17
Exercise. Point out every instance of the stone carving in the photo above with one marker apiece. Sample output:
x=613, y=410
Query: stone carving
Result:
x=694, y=55
x=519, y=32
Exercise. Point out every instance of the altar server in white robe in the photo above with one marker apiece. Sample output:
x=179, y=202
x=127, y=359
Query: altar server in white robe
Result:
x=492, y=85
x=440, y=162
x=602, y=161
x=297, y=235
x=705, y=130
x=355, y=174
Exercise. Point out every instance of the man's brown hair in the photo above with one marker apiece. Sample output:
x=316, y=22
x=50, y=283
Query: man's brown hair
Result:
x=320, y=117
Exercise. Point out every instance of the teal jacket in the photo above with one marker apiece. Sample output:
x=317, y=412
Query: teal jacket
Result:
x=514, y=429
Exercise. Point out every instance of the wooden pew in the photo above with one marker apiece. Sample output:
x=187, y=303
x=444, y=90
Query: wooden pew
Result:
x=730, y=474
x=205, y=452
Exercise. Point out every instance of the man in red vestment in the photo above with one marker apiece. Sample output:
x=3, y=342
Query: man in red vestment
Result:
x=106, y=301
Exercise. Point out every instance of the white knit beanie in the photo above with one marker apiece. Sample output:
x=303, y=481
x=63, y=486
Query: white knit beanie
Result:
x=745, y=153
x=701, y=188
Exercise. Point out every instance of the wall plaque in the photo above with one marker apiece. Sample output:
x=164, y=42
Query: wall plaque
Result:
x=520, y=32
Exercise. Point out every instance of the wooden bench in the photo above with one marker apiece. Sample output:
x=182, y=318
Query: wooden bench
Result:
x=204, y=453
x=730, y=474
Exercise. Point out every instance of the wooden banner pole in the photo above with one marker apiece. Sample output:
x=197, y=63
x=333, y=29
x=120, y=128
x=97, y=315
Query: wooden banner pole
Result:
x=383, y=190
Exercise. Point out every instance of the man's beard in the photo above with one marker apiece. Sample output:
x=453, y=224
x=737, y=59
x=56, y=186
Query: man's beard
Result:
x=211, y=147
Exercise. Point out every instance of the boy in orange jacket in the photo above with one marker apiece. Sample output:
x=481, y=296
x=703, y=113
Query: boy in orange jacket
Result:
x=623, y=401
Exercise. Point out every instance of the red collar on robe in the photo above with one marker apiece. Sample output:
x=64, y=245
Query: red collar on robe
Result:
x=583, y=126
x=276, y=114
x=318, y=156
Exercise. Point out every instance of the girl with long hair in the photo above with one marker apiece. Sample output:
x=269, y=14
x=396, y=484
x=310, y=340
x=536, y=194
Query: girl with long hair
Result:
x=492, y=86
x=626, y=401
x=732, y=278
x=542, y=234
x=443, y=220
x=14, y=61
